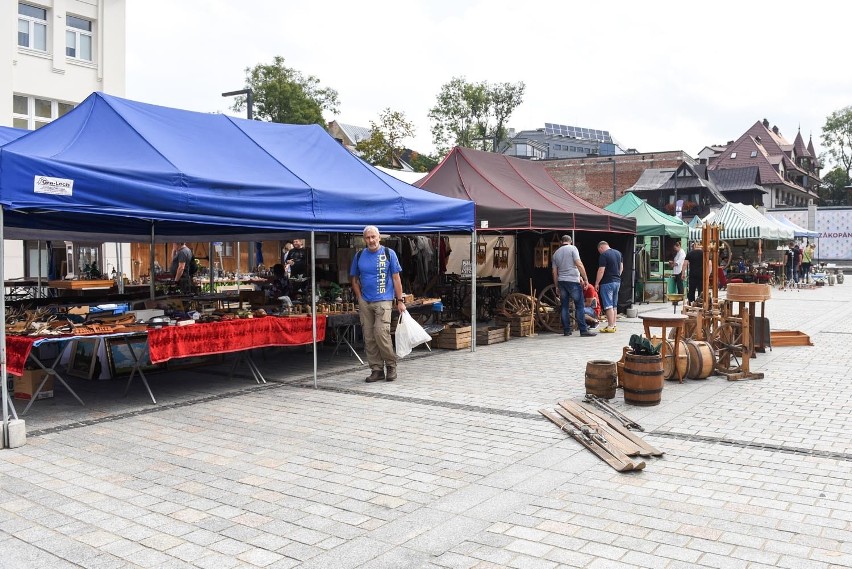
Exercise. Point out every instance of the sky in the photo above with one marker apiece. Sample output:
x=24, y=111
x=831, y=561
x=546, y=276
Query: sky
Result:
x=659, y=75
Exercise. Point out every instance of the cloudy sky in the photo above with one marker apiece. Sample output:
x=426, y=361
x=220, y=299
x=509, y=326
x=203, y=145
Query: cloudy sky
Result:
x=659, y=75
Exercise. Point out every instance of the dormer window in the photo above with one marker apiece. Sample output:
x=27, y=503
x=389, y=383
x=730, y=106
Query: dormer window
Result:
x=733, y=155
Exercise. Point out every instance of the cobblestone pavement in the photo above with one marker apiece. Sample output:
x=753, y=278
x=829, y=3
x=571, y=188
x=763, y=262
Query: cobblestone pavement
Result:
x=451, y=466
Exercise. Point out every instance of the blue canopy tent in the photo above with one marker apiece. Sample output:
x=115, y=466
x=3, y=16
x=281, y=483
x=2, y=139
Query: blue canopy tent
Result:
x=8, y=134
x=137, y=172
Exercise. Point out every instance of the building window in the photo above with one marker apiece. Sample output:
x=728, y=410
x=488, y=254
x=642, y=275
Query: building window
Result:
x=733, y=155
x=78, y=38
x=754, y=153
x=32, y=27
x=31, y=113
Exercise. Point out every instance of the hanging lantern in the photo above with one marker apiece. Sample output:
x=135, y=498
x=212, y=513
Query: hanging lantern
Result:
x=480, y=251
x=542, y=254
x=555, y=244
x=501, y=254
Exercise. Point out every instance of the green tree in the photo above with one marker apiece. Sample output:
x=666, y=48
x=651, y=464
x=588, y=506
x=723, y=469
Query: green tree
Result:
x=837, y=138
x=473, y=115
x=386, y=136
x=833, y=189
x=284, y=95
x=423, y=162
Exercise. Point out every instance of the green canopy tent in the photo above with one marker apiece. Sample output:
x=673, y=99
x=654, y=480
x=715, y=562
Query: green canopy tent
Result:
x=649, y=222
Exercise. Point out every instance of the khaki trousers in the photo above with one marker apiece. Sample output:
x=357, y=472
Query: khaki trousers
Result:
x=375, y=322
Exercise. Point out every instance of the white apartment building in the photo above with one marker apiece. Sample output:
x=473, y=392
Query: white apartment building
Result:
x=56, y=54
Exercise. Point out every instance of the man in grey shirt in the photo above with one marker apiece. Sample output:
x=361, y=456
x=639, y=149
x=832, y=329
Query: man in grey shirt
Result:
x=569, y=276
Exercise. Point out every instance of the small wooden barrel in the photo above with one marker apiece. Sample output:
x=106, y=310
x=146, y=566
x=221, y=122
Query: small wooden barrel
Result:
x=669, y=369
x=601, y=378
x=643, y=379
x=702, y=359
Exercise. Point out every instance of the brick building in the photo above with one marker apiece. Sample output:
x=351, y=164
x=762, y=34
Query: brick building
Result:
x=602, y=180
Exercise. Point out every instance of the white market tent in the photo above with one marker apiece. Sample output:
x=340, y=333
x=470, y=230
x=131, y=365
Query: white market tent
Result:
x=798, y=231
x=743, y=222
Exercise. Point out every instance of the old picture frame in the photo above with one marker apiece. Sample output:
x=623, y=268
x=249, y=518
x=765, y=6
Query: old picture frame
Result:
x=121, y=360
x=84, y=361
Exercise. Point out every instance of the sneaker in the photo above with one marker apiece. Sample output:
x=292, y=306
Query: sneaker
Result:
x=375, y=375
x=567, y=333
x=391, y=374
x=588, y=333
x=608, y=330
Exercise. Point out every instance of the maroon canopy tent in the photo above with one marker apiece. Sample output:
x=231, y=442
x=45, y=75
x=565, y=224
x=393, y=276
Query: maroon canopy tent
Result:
x=516, y=195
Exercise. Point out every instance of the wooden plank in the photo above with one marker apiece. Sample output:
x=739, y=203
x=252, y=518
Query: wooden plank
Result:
x=622, y=429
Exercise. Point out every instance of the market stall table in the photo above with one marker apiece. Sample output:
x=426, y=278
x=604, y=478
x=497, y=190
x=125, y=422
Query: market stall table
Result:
x=19, y=349
x=227, y=336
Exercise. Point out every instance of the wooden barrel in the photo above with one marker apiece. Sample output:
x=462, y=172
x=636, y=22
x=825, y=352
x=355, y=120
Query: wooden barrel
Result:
x=669, y=369
x=643, y=379
x=702, y=359
x=601, y=378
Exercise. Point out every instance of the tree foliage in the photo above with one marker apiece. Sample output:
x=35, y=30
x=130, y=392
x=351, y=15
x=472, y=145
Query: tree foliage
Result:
x=833, y=189
x=473, y=115
x=837, y=138
x=386, y=136
x=284, y=95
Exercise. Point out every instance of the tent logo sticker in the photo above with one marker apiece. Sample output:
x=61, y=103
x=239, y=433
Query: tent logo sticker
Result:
x=54, y=186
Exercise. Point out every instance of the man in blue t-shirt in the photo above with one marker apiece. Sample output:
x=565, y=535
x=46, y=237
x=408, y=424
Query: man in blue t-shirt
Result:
x=375, y=281
x=608, y=281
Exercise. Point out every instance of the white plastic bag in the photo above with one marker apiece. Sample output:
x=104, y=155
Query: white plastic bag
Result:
x=409, y=334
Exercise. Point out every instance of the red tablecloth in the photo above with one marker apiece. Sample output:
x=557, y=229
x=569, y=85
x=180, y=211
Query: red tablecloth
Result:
x=18, y=349
x=231, y=336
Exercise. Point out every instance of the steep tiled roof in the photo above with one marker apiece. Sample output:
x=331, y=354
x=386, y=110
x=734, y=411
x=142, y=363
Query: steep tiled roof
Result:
x=732, y=179
x=800, y=148
x=651, y=179
x=764, y=157
x=688, y=178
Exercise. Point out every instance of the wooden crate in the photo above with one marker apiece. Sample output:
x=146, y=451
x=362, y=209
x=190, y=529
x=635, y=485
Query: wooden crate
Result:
x=519, y=326
x=492, y=335
x=789, y=338
x=452, y=338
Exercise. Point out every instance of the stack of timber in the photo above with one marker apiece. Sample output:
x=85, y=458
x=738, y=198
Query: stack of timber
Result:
x=452, y=338
x=519, y=326
x=603, y=434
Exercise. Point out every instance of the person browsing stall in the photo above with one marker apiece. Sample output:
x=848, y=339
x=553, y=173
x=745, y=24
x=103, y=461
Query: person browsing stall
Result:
x=693, y=264
x=608, y=281
x=181, y=258
x=677, y=266
x=569, y=274
x=376, y=283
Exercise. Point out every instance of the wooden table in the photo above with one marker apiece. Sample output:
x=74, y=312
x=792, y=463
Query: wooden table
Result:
x=663, y=321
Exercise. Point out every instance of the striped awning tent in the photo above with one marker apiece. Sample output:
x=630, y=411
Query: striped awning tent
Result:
x=743, y=222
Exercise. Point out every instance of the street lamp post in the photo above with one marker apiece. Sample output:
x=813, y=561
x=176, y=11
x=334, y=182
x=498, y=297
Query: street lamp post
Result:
x=249, y=101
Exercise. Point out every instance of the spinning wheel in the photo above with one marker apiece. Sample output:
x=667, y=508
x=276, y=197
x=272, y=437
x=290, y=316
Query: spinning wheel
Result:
x=549, y=310
x=727, y=340
x=517, y=304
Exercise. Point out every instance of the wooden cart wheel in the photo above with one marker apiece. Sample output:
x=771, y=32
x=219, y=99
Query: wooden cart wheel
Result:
x=728, y=343
x=549, y=310
x=517, y=304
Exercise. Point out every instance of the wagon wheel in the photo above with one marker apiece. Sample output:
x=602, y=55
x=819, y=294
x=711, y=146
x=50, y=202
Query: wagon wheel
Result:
x=728, y=343
x=549, y=310
x=517, y=304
